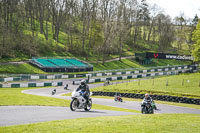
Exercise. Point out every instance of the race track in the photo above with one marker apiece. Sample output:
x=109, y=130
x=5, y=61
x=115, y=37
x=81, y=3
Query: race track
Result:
x=15, y=115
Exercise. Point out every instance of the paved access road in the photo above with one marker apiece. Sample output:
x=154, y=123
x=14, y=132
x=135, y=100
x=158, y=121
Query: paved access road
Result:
x=15, y=115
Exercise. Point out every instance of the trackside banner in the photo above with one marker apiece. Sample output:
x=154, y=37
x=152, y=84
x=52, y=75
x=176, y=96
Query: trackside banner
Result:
x=168, y=56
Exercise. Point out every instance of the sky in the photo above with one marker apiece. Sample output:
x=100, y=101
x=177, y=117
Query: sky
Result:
x=176, y=7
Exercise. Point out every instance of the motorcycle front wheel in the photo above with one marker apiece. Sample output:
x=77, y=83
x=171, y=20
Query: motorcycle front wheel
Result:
x=144, y=110
x=151, y=110
x=120, y=100
x=88, y=106
x=115, y=99
x=74, y=104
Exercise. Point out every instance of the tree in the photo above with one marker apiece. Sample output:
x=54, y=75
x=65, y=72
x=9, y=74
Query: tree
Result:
x=180, y=22
x=196, y=39
x=122, y=25
x=57, y=11
x=154, y=11
x=165, y=32
x=108, y=14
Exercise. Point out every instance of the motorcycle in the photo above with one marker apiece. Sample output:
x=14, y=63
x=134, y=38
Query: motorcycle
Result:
x=147, y=108
x=118, y=98
x=53, y=92
x=79, y=102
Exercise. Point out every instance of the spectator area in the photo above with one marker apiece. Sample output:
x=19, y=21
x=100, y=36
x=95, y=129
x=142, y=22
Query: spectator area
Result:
x=61, y=65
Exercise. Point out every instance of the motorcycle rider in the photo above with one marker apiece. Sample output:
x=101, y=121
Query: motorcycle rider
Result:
x=117, y=94
x=85, y=90
x=147, y=98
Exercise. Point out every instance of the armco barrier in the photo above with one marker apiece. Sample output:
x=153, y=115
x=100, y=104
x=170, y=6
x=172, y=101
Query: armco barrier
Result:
x=154, y=97
x=133, y=76
x=191, y=68
x=21, y=85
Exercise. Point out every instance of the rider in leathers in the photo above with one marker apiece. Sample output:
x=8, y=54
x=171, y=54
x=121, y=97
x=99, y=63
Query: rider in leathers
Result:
x=85, y=90
x=147, y=98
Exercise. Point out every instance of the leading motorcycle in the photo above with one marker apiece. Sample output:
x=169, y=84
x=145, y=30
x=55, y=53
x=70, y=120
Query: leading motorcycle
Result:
x=147, y=108
x=79, y=102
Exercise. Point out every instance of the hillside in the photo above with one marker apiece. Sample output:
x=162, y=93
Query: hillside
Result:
x=50, y=29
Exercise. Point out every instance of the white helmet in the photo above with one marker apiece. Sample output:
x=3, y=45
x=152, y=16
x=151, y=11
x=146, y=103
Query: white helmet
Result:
x=83, y=82
x=146, y=95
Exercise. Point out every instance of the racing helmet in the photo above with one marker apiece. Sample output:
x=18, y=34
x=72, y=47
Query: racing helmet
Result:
x=146, y=95
x=83, y=82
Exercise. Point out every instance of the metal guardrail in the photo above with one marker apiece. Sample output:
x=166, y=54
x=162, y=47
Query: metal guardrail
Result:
x=27, y=77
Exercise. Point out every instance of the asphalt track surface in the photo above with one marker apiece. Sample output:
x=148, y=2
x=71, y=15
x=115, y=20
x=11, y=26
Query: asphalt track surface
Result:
x=15, y=115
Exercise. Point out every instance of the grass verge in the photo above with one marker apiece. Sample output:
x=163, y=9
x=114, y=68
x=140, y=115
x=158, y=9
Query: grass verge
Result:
x=157, y=123
x=13, y=96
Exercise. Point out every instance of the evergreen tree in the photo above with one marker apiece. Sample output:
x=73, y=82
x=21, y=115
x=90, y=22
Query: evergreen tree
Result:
x=196, y=39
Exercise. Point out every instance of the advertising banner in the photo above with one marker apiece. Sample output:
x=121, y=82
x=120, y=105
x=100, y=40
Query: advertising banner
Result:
x=168, y=56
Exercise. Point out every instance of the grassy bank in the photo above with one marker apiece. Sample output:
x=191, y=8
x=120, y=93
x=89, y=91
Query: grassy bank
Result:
x=19, y=69
x=157, y=123
x=186, y=85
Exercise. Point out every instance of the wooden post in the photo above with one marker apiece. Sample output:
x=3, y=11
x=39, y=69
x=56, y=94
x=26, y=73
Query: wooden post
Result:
x=153, y=81
x=199, y=83
x=167, y=82
x=139, y=82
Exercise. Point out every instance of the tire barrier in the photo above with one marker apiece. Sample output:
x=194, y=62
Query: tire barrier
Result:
x=23, y=85
x=180, y=69
x=154, y=97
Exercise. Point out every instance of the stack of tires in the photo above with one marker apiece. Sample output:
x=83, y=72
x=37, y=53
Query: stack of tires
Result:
x=154, y=97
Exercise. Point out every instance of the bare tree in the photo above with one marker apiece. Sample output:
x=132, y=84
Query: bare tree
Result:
x=165, y=32
x=154, y=11
x=58, y=14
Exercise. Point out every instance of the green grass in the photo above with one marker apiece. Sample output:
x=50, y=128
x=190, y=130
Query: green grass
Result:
x=126, y=63
x=13, y=96
x=175, y=87
x=19, y=69
x=2, y=60
x=157, y=123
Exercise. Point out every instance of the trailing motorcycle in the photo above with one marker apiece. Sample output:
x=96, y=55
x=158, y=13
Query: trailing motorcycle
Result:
x=153, y=105
x=79, y=102
x=147, y=108
x=118, y=98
